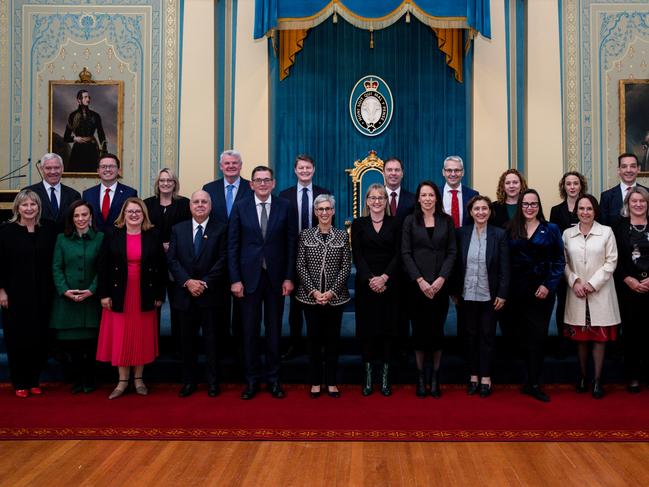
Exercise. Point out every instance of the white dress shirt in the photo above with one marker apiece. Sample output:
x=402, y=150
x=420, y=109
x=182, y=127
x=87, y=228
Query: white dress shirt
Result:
x=57, y=192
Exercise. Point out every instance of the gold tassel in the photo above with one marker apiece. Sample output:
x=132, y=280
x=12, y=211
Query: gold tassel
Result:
x=335, y=19
x=371, y=38
x=408, y=17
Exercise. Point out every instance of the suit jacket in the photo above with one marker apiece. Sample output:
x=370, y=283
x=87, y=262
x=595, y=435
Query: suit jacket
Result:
x=426, y=257
x=68, y=195
x=216, y=190
x=113, y=269
x=405, y=206
x=290, y=194
x=467, y=194
x=176, y=212
x=209, y=265
x=497, y=256
x=610, y=205
x=562, y=217
x=92, y=196
x=247, y=248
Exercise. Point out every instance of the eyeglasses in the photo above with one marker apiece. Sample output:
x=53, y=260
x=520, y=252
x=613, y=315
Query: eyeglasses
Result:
x=376, y=198
x=262, y=180
x=133, y=212
x=530, y=204
x=105, y=167
x=326, y=209
x=453, y=171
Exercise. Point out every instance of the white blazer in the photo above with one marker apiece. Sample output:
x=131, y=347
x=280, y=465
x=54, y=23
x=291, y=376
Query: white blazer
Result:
x=592, y=259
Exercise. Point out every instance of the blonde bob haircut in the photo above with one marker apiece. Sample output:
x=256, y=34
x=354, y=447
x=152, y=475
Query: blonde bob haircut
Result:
x=381, y=189
x=24, y=195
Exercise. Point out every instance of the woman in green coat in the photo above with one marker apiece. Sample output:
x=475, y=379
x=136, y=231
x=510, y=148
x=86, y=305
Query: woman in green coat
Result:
x=76, y=311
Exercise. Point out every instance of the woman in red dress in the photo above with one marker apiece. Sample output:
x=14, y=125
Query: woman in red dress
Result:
x=131, y=287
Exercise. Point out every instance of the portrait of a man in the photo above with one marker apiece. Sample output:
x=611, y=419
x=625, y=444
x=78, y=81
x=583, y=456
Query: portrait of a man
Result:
x=634, y=125
x=86, y=133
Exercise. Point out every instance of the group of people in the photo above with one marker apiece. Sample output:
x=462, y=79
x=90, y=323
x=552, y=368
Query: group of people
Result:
x=94, y=269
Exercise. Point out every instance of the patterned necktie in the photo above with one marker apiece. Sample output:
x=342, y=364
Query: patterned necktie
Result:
x=105, y=204
x=393, y=203
x=198, y=238
x=53, y=202
x=455, y=208
x=228, y=198
x=304, y=218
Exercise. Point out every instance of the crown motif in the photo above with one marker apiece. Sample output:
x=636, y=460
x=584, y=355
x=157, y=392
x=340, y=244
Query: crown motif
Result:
x=371, y=85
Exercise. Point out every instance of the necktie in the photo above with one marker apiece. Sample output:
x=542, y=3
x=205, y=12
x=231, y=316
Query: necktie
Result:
x=105, y=204
x=198, y=238
x=393, y=203
x=263, y=221
x=304, y=218
x=228, y=198
x=455, y=208
x=53, y=202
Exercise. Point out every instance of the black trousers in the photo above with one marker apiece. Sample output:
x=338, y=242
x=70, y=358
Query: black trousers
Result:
x=191, y=321
x=26, y=344
x=295, y=321
x=477, y=320
x=323, y=341
x=635, y=332
x=270, y=300
x=82, y=360
x=531, y=317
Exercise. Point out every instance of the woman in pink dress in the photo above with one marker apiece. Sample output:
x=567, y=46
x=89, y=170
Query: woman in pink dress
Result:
x=131, y=286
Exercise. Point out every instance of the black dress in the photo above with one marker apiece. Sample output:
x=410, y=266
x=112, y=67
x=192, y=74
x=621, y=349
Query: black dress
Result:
x=26, y=276
x=165, y=217
x=376, y=253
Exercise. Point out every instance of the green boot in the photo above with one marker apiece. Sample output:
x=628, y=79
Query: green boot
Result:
x=386, y=388
x=367, y=381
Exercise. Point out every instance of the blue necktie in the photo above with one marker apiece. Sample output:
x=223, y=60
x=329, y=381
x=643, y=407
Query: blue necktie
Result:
x=228, y=198
x=198, y=239
x=53, y=202
x=305, y=210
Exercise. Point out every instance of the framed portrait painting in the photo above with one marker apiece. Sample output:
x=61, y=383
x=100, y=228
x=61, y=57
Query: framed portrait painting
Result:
x=85, y=121
x=634, y=122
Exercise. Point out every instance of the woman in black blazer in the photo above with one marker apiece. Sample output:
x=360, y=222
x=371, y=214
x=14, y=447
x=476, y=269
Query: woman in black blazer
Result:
x=428, y=251
x=166, y=208
x=510, y=185
x=480, y=287
x=132, y=274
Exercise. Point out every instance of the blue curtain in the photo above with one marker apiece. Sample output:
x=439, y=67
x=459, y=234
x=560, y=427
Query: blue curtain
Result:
x=309, y=110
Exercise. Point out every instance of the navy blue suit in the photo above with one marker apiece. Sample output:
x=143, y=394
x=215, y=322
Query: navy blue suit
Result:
x=610, y=205
x=295, y=320
x=216, y=190
x=405, y=205
x=247, y=250
x=68, y=196
x=467, y=194
x=92, y=195
x=202, y=312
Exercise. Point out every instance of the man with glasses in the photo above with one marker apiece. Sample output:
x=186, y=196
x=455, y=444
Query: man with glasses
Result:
x=612, y=200
x=261, y=257
x=55, y=197
x=109, y=195
x=456, y=195
x=300, y=198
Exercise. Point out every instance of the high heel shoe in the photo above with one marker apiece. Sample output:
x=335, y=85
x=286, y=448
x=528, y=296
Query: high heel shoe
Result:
x=581, y=386
x=472, y=388
x=598, y=390
x=335, y=394
x=117, y=392
x=314, y=394
x=141, y=390
x=435, y=390
x=421, y=385
x=22, y=393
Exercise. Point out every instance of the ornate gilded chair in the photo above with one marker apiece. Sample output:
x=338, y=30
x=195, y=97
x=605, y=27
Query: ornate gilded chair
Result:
x=363, y=174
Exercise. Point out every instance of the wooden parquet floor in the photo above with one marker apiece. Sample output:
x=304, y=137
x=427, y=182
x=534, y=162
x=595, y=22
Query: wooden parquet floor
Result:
x=314, y=464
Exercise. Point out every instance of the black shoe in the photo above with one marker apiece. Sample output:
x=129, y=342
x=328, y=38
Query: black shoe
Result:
x=291, y=353
x=187, y=390
x=536, y=392
x=581, y=386
x=249, y=392
x=485, y=390
x=213, y=390
x=598, y=390
x=334, y=394
x=386, y=388
x=472, y=388
x=276, y=390
x=76, y=388
x=421, y=386
x=315, y=394
x=633, y=389
x=435, y=390
x=367, y=379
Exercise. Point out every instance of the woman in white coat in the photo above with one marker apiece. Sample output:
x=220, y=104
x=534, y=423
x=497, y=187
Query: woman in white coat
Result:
x=592, y=313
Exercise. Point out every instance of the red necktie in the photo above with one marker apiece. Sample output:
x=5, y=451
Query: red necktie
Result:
x=455, y=208
x=105, y=204
x=393, y=203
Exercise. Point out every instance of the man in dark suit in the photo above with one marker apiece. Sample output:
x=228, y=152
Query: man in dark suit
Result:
x=300, y=198
x=229, y=189
x=261, y=256
x=108, y=196
x=55, y=197
x=611, y=200
x=401, y=202
x=197, y=261
x=455, y=195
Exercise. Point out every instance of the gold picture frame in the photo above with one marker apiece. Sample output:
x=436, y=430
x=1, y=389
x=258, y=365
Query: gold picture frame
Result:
x=106, y=105
x=634, y=123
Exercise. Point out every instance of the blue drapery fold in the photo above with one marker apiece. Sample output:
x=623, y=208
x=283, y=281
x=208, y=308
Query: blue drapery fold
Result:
x=377, y=14
x=309, y=110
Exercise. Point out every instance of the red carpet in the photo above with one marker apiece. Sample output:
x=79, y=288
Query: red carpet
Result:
x=505, y=416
